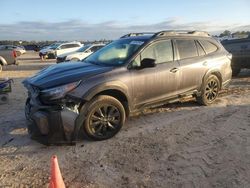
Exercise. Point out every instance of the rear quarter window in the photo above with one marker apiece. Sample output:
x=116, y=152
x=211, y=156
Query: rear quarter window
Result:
x=200, y=49
x=208, y=46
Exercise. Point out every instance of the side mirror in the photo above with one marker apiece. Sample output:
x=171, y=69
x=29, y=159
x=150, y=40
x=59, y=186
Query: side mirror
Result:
x=148, y=63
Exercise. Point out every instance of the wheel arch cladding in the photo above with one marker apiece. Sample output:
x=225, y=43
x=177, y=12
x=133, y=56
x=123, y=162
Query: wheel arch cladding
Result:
x=215, y=73
x=117, y=94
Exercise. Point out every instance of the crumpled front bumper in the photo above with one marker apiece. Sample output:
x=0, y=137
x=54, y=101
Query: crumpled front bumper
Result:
x=53, y=125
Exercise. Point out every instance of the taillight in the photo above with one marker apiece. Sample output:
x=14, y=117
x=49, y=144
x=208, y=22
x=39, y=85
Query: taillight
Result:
x=14, y=54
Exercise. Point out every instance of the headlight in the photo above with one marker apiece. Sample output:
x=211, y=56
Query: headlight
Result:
x=58, y=92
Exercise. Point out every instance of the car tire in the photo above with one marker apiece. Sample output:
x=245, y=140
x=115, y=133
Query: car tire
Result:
x=104, y=117
x=235, y=71
x=209, y=91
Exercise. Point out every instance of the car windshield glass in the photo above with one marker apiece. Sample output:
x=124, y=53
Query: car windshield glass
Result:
x=82, y=49
x=115, y=53
x=54, y=46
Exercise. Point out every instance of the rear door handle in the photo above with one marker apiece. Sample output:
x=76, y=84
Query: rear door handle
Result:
x=174, y=70
x=204, y=63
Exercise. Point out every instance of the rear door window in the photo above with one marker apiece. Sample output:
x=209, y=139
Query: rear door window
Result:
x=208, y=46
x=74, y=45
x=64, y=46
x=186, y=48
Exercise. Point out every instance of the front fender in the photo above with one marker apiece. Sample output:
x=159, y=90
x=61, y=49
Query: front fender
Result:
x=113, y=85
x=87, y=91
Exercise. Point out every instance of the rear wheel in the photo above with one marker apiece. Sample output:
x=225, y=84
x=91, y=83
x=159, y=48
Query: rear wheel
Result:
x=209, y=91
x=105, y=116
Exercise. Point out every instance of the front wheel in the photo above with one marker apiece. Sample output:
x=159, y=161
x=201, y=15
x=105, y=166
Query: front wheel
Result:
x=105, y=116
x=209, y=91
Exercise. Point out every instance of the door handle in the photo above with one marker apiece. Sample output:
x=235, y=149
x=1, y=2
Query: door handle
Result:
x=204, y=63
x=174, y=70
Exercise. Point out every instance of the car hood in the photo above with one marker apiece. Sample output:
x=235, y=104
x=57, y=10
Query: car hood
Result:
x=64, y=73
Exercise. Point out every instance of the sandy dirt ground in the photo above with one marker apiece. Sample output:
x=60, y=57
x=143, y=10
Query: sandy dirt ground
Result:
x=176, y=145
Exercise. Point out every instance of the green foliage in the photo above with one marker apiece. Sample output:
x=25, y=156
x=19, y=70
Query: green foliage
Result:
x=226, y=33
x=238, y=34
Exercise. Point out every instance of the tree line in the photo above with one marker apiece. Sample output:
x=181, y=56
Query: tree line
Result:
x=44, y=43
x=238, y=34
x=226, y=33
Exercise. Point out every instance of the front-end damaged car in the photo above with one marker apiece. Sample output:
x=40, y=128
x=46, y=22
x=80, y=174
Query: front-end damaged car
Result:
x=138, y=70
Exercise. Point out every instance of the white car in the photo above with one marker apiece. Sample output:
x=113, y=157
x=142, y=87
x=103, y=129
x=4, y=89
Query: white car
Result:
x=57, y=49
x=80, y=54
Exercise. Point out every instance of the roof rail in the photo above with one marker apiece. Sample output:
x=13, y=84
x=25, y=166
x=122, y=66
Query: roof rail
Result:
x=181, y=32
x=137, y=34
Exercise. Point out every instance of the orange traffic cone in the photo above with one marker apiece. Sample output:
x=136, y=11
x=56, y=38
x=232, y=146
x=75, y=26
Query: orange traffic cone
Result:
x=56, y=180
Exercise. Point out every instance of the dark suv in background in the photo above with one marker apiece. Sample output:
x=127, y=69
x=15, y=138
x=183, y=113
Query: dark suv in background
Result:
x=240, y=49
x=136, y=71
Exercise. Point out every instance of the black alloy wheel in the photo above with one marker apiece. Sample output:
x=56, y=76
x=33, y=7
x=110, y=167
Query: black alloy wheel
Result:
x=210, y=90
x=105, y=117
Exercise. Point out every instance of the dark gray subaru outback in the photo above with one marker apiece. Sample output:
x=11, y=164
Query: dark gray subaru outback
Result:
x=136, y=71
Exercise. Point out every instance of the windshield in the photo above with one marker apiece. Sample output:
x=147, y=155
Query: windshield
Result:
x=115, y=53
x=82, y=49
x=54, y=46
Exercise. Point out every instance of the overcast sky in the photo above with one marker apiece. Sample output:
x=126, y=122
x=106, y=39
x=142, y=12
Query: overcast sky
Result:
x=109, y=19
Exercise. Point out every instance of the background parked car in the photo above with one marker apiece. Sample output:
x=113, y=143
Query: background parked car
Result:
x=80, y=54
x=57, y=49
x=19, y=49
x=7, y=57
x=240, y=49
x=31, y=47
